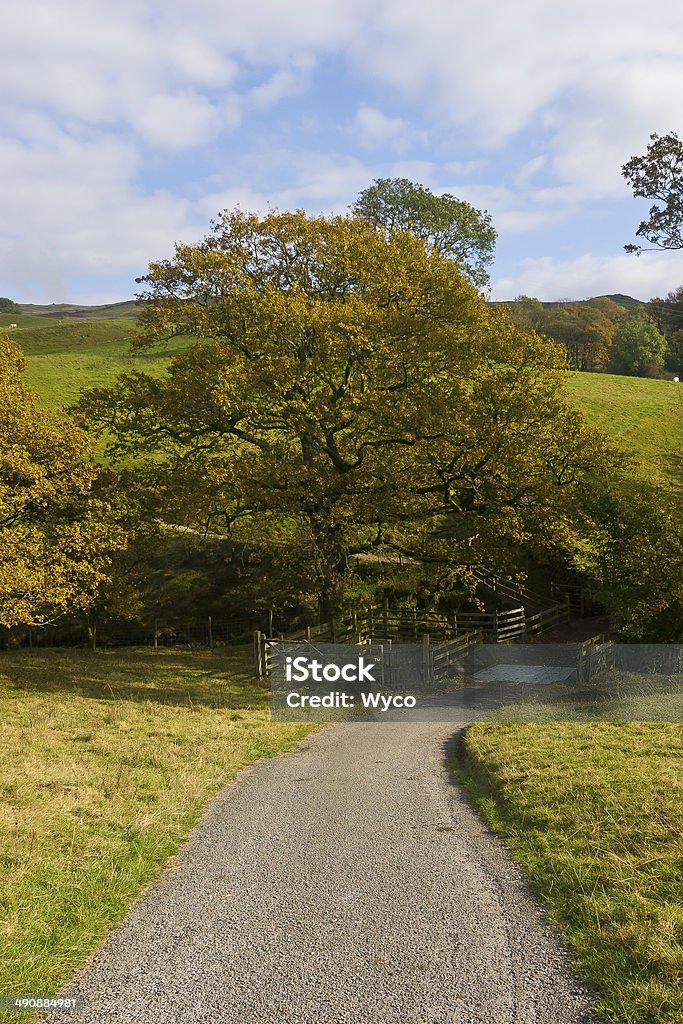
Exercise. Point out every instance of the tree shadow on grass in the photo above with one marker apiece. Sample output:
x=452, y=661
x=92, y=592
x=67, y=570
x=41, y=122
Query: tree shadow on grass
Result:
x=216, y=679
x=673, y=465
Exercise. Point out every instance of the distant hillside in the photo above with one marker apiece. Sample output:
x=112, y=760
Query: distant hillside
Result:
x=623, y=300
x=66, y=355
x=131, y=308
x=644, y=416
x=627, y=301
x=69, y=311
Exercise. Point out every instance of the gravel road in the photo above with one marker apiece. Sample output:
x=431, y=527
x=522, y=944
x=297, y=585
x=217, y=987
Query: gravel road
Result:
x=348, y=882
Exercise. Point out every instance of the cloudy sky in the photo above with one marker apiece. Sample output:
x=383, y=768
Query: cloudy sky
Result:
x=127, y=126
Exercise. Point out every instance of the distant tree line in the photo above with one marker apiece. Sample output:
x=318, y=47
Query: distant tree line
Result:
x=600, y=335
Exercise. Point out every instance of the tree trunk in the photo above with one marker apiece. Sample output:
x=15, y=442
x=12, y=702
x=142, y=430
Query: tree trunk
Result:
x=331, y=564
x=91, y=624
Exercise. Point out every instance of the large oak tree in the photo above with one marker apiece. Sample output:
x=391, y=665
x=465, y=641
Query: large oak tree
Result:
x=348, y=388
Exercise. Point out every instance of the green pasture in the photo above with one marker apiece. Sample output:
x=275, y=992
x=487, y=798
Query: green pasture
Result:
x=644, y=416
x=64, y=357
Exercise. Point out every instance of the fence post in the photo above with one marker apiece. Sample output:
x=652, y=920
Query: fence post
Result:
x=257, y=653
x=426, y=657
x=156, y=634
x=270, y=622
x=495, y=626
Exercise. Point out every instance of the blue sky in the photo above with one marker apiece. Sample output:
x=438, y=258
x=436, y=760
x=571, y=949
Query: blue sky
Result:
x=126, y=127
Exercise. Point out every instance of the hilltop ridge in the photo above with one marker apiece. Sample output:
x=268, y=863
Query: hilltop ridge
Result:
x=129, y=308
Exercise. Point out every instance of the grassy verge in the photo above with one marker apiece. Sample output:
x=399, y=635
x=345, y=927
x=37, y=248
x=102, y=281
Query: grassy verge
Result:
x=108, y=760
x=594, y=812
x=613, y=696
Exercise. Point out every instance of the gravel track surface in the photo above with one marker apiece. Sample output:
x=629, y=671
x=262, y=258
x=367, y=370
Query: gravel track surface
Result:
x=347, y=882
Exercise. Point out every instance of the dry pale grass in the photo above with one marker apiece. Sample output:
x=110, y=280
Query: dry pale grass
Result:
x=107, y=762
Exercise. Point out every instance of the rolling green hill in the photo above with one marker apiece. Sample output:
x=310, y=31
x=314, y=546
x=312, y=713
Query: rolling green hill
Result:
x=64, y=358
x=644, y=416
x=71, y=311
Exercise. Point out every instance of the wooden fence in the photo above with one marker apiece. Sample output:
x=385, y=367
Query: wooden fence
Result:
x=445, y=657
x=581, y=601
x=410, y=626
x=437, y=661
x=530, y=618
x=595, y=656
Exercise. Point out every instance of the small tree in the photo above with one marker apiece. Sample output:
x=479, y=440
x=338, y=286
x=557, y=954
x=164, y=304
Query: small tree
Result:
x=448, y=225
x=586, y=333
x=635, y=559
x=8, y=306
x=659, y=175
x=527, y=313
x=667, y=313
x=637, y=348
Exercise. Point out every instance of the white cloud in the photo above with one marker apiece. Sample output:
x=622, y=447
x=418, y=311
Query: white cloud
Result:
x=584, y=276
x=315, y=181
x=248, y=199
x=180, y=121
x=95, y=92
x=283, y=83
x=375, y=129
x=517, y=211
x=74, y=207
x=593, y=79
x=464, y=168
x=530, y=169
x=322, y=183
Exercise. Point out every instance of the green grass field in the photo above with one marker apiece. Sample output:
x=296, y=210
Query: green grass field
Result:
x=108, y=760
x=644, y=416
x=594, y=812
x=64, y=358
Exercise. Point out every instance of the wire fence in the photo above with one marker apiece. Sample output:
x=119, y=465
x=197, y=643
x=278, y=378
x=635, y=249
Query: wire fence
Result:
x=208, y=633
